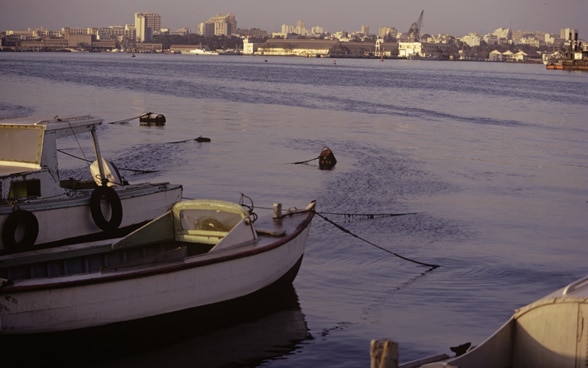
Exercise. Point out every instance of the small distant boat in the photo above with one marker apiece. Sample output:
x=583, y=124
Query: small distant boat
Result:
x=550, y=332
x=568, y=64
x=39, y=209
x=574, y=58
x=201, y=51
x=200, y=253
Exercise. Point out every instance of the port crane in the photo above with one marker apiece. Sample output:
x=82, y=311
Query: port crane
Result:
x=414, y=33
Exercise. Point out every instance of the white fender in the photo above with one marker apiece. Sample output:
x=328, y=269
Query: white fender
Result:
x=110, y=172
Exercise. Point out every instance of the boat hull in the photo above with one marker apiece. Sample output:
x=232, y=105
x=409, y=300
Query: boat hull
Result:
x=107, y=297
x=71, y=217
x=549, y=332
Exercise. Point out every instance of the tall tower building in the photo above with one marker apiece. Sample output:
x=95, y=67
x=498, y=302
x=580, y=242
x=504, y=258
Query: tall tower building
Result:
x=220, y=25
x=146, y=24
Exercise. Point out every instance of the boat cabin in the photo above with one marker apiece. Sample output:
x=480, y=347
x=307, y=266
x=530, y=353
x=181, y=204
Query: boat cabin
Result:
x=28, y=155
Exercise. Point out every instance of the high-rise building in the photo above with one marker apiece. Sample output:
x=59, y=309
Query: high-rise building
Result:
x=146, y=24
x=220, y=25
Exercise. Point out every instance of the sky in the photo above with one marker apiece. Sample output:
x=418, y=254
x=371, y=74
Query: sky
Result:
x=454, y=17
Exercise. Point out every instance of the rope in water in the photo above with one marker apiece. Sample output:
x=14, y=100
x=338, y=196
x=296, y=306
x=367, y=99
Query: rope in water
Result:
x=124, y=121
x=368, y=215
x=430, y=265
x=120, y=168
x=306, y=161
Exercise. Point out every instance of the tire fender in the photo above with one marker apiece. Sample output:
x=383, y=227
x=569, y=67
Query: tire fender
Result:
x=20, y=218
x=110, y=195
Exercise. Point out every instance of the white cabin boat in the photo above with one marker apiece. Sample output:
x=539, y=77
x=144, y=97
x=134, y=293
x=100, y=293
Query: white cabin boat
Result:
x=200, y=253
x=201, y=51
x=38, y=209
x=550, y=332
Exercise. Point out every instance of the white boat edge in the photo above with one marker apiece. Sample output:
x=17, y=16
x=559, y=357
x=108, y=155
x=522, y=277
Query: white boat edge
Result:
x=550, y=332
x=53, y=304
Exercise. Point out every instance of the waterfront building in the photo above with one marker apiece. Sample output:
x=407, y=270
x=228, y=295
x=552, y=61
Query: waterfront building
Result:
x=146, y=24
x=219, y=25
x=409, y=50
x=248, y=47
x=387, y=32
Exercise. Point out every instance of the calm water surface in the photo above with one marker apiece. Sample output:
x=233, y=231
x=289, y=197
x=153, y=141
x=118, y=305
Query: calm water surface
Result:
x=492, y=158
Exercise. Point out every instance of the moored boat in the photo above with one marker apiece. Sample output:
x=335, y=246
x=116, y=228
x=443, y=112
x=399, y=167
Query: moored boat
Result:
x=38, y=208
x=550, y=332
x=574, y=58
x=201, y=51
x=200, y=253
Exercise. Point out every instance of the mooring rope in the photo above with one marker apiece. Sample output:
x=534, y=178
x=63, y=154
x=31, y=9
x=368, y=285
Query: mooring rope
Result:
x=124, y=121
x=368, y=215
x=432, y=266
x=120, y=168
x=306, y=161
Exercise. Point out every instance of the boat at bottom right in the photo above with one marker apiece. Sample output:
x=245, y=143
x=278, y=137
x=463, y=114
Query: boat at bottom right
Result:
x=550, y=332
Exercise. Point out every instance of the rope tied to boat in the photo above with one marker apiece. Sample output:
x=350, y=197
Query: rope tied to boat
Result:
x=305, y=161
x=120, y=168
x=345, y=230
x=369, y=216
x=326, y=159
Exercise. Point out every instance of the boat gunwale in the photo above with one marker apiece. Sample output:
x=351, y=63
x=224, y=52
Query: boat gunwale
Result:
x=188, y=263
x=82, y=196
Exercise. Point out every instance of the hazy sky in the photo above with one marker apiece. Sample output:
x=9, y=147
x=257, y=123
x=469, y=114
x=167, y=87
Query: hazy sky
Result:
x=456, y=17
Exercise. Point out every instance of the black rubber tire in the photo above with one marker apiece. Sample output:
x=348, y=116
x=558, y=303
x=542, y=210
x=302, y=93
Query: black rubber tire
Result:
x=108, y=194
x=15, y=220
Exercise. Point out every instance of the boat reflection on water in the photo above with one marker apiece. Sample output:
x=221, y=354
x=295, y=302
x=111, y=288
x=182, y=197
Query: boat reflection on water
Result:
x=242, y=333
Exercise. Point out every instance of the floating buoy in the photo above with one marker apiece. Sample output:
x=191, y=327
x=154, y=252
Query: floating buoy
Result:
x=327, y=159
x=150, y=118
x=202, y=139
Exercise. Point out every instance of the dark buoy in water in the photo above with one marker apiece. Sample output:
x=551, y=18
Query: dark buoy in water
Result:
x=327, y=159
x=150, y=118
x=202, y=139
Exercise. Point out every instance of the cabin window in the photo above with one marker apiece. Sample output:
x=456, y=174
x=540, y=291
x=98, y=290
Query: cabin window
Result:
x=24, y=189
x=21, y=143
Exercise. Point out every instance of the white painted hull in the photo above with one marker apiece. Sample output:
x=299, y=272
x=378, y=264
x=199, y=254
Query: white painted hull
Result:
x=550, y=332
x=70, y=217
x=37, y=207
x=74, y=302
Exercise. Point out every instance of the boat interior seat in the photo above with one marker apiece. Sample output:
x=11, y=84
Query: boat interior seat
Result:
x=201, y=236
x=197, y=226
x=205, y=222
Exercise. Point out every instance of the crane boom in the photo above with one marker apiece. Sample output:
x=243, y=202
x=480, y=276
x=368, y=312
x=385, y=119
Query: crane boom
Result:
x=414, y=33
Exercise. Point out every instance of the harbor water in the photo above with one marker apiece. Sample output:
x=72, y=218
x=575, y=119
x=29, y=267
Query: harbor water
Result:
x=488, y=162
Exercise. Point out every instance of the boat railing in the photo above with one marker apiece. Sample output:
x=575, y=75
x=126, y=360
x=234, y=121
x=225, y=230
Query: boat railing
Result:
x=574, y=285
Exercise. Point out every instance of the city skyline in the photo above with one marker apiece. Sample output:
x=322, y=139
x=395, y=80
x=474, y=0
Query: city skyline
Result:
x=455, y=17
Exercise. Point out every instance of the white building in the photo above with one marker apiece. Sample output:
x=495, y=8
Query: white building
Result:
x=145, y=25
x=472, y=39
x=409, y=49
x=248, y=47
x=219, y=25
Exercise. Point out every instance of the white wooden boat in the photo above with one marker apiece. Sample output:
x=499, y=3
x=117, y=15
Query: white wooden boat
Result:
x=261, y=327
x=37, y=208
x=550, y=332
x=200, y=253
